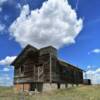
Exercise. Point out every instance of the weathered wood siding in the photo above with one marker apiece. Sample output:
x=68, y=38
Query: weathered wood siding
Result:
x=43, y=66
x=44, y=59
x=32, y=71
x=71, y=75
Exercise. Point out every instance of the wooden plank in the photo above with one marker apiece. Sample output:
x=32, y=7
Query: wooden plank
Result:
x=50, y=69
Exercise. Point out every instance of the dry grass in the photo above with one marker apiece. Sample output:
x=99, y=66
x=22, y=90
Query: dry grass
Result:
x=75, y=93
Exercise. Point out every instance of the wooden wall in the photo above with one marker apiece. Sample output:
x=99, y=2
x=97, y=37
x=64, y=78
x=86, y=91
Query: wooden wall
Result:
x=71, y=75
x=29, y=69
x=43, y=66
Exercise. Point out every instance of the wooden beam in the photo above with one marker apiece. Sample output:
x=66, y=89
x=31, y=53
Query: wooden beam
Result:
x=50, y=69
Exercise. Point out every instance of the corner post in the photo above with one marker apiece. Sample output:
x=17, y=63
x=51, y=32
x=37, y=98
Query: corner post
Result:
x=50, y=69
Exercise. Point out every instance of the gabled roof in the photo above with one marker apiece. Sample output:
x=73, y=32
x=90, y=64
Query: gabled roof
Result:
x=32, y=49
x=63, y=63
x=25, y=52
x=21, y=56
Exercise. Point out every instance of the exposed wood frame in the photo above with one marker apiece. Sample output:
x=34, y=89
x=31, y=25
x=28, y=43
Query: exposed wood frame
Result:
x=38, y=73
x=34, y=73
x=50, y=69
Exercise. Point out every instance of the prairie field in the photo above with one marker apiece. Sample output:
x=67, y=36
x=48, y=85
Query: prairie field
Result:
x=73, y=93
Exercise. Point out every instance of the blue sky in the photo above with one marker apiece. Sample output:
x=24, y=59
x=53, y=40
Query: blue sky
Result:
x=84, y=52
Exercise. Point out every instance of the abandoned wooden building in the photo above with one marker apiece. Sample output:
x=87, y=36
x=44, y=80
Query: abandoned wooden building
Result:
x=41, y=69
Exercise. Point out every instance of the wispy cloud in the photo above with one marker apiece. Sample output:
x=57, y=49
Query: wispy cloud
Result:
x=89, y=67
x=18, y=6
x=92, y=22
x=96, y=21
x=6, y=80
x=6, y=69
x=7, y=61
x=0, y=9
x=2, y=1
x=6, y=76
x=96, y=51
x=77, y=4
x=2, y=27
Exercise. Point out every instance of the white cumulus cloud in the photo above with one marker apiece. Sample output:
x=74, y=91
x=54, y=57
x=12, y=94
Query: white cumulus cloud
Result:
x=7, y=61
x=94, y=75
x=55, y=23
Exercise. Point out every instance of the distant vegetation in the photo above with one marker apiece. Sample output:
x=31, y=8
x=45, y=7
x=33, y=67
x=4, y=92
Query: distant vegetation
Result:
x=75, y=93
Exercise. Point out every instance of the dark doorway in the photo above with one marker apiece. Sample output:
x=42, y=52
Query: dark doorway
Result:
x=37, y=86
x=58, y=85
x=32, y=87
